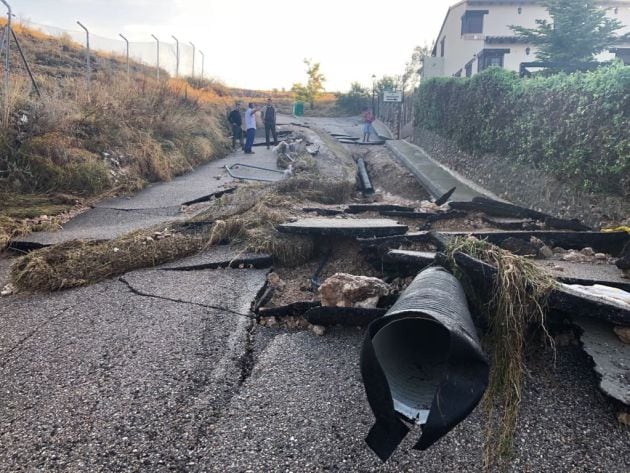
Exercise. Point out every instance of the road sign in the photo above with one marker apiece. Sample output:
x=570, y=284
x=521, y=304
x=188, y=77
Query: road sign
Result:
x=392, y=96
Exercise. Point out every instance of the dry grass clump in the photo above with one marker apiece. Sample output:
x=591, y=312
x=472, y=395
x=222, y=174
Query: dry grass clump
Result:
x=517, y=305
x=79, y=263
x=250, y=216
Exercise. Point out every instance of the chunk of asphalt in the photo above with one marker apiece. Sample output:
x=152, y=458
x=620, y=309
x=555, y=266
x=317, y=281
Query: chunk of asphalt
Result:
x=444, y=198
x=426, y=216
x=343, y=316
x=222, y=256
x=417, y=259
x=344, y=227
x=610, y=355
x=601, y=242
x=585, y=274
x=359, y=208
x=363, y=143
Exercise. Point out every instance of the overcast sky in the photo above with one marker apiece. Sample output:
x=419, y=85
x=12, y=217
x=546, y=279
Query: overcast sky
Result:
x=261, y=44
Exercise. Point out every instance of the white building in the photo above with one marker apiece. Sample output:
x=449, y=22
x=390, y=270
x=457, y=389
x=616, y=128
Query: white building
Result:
x=476, y=34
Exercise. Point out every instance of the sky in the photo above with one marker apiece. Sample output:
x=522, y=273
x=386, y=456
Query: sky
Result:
x=262, y=44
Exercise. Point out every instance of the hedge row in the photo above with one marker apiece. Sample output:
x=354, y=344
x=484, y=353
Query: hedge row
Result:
x=574, y=126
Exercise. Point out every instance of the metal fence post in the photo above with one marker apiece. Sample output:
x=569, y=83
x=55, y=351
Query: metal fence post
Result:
x=127, y=44
x=87, y=55
x=7, y=64
x=193, y=61
x=158, y=56
x=176, y=56
x=203, y=58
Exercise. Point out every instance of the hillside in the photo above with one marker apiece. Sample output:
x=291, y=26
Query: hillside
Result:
x=73, y=145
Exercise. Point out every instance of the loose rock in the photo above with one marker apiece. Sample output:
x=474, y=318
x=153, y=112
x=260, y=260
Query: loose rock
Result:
x=623, y=333
x=347, y=290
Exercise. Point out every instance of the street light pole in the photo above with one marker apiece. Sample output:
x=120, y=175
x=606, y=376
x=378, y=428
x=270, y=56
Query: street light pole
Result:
x=373, y=90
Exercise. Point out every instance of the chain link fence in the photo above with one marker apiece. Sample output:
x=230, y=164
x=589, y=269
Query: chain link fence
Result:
x=178, y=58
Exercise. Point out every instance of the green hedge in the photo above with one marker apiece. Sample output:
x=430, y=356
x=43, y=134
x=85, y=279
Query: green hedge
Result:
x=576, y=126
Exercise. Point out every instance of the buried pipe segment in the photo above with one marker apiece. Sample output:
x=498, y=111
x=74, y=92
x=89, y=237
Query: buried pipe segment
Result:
x=422, y=363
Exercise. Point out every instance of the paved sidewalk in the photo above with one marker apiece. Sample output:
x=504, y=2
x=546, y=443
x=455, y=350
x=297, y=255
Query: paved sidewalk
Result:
x=159, y=202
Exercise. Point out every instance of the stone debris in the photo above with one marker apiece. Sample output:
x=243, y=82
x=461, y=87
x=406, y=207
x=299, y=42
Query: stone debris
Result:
x=623, y=333
x=8, y=290
x=275, y=281
x=624, y=418
x=318, y=330
x=347, y=290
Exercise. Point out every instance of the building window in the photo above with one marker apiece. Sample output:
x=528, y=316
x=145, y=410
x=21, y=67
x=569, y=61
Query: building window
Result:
x=528, y=50
x=472, y=21
x=468, y=68
x=520, y=10
x=442, y=43
x=616, y=11
x=491, y=58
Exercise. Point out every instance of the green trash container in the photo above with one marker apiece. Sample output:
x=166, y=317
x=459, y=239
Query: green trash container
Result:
x=298, y=109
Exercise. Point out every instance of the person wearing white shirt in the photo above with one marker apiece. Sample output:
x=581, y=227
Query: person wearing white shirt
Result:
x=250, y=126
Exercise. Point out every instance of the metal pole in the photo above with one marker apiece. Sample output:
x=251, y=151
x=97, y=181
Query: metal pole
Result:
x=7, y=63
x=127, y=43
x=193, y=63
x=158, y=56
x=176, y=56
x=87, y=55
x=373, y=89
x=203, y=58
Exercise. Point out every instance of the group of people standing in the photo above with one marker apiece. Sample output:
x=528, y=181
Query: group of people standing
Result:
x=237, y=117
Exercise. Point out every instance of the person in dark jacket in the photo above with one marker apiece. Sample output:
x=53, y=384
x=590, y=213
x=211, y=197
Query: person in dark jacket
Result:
x=269, y=117
x=237, y=125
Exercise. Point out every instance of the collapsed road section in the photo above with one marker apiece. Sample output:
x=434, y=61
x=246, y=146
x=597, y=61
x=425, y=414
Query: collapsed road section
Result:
x=251, y=366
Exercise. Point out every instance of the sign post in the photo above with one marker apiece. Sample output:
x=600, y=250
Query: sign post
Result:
x=395, y=97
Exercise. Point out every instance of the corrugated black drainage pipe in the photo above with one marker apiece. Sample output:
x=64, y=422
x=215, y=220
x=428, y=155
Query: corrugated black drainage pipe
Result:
x=422, y=363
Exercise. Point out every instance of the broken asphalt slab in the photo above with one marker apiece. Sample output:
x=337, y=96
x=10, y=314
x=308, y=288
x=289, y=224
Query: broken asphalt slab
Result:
x=610, y=355
x=344, y=227
x=104, y=379
x=221, y=256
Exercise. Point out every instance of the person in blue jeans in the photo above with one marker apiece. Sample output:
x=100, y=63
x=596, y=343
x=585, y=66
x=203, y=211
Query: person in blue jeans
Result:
x=250, y=126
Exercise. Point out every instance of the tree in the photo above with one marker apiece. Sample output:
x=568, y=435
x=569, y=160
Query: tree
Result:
x=314, y=85
x=579, y=30
x=413, y=69
x=355, y=100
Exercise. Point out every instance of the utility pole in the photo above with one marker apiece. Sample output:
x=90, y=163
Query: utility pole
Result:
x=158, y=56
x=87, y=54
x=127, y=43
x=193, y=61
x=176, y=56
x=203, y=58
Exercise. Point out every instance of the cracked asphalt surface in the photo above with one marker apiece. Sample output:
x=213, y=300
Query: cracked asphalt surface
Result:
x=104, y=379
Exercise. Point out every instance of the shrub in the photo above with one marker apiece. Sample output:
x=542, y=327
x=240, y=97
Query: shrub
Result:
x=573, y=126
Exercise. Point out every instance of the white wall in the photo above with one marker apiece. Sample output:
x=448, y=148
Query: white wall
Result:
x=460, y=50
